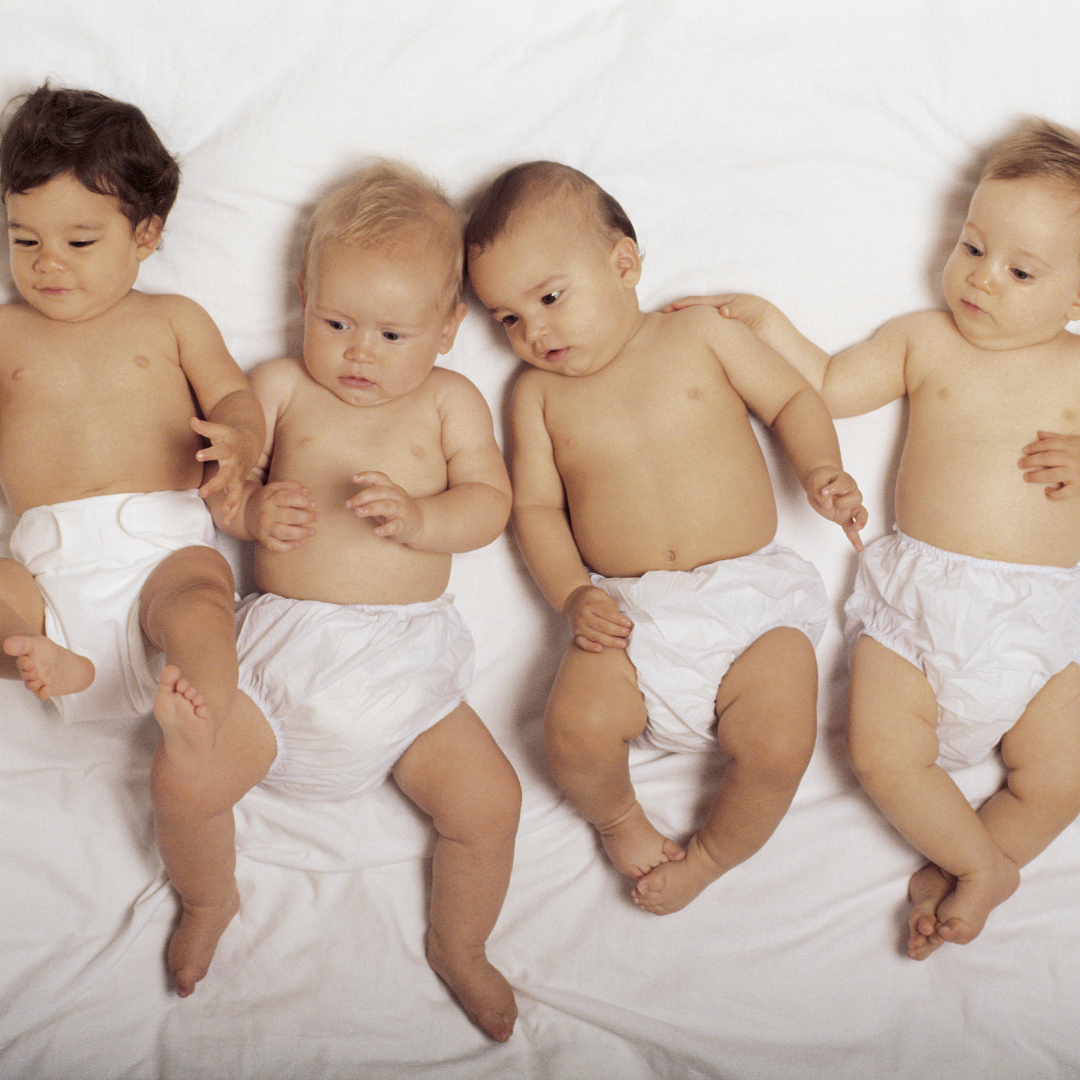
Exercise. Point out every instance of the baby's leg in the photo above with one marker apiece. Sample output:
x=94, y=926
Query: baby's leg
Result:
x=893, y=745
x=456, y=773
x=186, y=611
x=595, y=710
x=1041, y=797
x=767, y=722
x=47, y=669
x=193, y=819
x=1042, y=753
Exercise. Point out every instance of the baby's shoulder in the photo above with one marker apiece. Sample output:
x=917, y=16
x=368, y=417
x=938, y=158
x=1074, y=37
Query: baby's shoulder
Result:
x=171, y=306
x=929, y=327
x=276, y=382
x=454, y=396
x=702, y=331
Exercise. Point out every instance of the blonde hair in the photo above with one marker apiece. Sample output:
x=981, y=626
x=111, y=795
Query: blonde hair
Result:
x=1036, y=148
x=386, y=203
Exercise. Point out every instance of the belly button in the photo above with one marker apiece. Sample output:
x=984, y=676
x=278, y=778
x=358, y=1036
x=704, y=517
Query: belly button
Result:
x=669, y=555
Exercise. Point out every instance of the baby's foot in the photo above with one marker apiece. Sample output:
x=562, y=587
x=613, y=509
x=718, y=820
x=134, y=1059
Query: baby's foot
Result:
x=192, y=945
x=672, y=886
x=962, y=914
x=47, y=669
x=185, y=720
x=947, y=909
x=480, y=988
x=927, y=888
x=635, y=846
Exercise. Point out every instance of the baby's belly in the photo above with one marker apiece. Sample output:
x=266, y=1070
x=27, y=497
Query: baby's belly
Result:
x=630, y=545
x=1013, y=522
x=370, y=571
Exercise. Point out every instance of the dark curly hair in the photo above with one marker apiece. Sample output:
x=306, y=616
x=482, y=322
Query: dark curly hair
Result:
x=107, y=145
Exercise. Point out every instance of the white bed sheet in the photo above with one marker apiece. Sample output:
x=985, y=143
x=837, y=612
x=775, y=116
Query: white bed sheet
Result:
x=816, y=153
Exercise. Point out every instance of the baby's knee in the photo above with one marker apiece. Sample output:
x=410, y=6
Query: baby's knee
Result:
x=496, y=813
x=872, y=760
x=777, y=745
x=782, y=753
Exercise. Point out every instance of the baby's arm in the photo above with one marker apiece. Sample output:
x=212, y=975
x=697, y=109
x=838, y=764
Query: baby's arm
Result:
x=542, y=530
x=474, y=508
x=855, y=381
x=234, y=421
x=280, y=514
x=772, y=326
x=1053, y=460
x=784, y=400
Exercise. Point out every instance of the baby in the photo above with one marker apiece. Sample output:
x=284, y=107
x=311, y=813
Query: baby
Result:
x=644, y=510
x=965, y=624
x=116, y=600
x=382, y=465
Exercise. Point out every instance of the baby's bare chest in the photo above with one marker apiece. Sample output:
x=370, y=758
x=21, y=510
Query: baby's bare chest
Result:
x=687, y=411
x=997, y=404
x=323, y=449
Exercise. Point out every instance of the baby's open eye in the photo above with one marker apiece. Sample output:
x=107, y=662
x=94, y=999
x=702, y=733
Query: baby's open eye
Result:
x=971, y=249
x=508, y=321
x=335, y=324
x=1021, y=275
x=550, y=298
x=391, y=335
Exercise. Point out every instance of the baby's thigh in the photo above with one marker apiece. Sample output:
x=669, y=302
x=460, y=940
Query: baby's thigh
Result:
x=769, y=695
x=184, y=572
x=892, y=712
x=597, y=691
x=456, y=773
x=1042, y=749
x=20, y=592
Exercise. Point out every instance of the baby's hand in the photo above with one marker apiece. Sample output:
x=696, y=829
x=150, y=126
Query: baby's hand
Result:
x=836, y=497
x=596, y=622
x=744, y=307
x=235, y=458
x=1053, y=460
x=280, y=515
x=396, y=512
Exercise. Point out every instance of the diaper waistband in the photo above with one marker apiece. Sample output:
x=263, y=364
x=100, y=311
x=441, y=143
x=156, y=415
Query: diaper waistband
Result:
x=110, y=530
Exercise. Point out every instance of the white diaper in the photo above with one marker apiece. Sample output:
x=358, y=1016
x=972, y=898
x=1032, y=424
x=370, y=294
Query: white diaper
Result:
x=90, y=559
x=691, y=625
x=348, y=688
x=986, y=634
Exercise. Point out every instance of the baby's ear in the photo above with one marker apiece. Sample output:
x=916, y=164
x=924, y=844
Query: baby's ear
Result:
x=1074, y=309
x=626, y=259
x=451, y=326
x=148, y=236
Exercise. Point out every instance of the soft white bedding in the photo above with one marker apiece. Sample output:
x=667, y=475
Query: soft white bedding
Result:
x=818, y=153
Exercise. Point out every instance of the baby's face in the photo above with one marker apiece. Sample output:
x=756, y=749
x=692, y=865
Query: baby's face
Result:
x=1013, y=279
x=375, y=320
x=561, y=291
x=73, y=253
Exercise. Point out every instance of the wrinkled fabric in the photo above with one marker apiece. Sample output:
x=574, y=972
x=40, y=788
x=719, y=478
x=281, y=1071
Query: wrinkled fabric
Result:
x=90, y=559
x=986, y=634
x=348, y=688
x=691, y=625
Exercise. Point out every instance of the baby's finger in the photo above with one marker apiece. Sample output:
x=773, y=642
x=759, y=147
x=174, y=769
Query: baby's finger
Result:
x=699, y=301
x=598, y=643
x=618, y=627
x=1047, y=475
x=851, y=531
x=387, y=508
